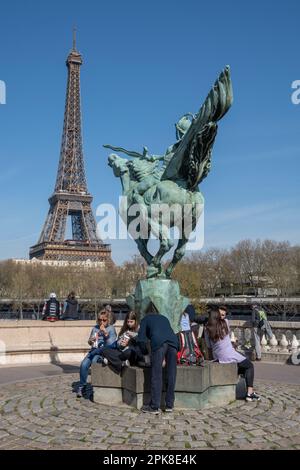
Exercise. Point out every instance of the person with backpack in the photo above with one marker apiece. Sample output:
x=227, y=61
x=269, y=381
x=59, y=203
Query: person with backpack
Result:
x=189, y=352
x=51, y=309
x=156, y=328
x=261, y=326
x=70, y=311
x=217, y=337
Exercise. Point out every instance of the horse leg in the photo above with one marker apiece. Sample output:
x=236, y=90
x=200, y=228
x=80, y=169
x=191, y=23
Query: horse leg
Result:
x=142, y=247
x=181, y=246
x=137, y=236
x=178, y=255
x=162, y=232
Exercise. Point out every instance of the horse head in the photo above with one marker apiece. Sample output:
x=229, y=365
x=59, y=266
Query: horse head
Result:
x=118, y=164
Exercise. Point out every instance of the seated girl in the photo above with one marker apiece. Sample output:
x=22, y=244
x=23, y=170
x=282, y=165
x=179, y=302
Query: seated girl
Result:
x=124, y=351
x=220, y=348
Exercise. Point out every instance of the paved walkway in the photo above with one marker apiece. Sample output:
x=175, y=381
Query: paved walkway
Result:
x=276, y=372
x=280, y=373
x=43, y=413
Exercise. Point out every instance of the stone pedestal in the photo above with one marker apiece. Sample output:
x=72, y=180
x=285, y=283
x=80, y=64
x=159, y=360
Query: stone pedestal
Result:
x=165, y=295
x=196, y=387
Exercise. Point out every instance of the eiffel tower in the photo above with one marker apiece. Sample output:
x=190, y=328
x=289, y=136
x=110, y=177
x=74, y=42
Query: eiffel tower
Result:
x=71, y=199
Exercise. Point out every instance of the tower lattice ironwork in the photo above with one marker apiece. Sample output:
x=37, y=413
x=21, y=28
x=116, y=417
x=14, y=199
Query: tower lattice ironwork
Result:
x=71, y=198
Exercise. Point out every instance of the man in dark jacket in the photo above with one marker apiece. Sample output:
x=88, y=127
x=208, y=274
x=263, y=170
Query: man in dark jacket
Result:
x=156, y=328
x=70, y=311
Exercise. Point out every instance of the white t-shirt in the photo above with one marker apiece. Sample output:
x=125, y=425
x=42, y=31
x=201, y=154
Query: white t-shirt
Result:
x=185, y=322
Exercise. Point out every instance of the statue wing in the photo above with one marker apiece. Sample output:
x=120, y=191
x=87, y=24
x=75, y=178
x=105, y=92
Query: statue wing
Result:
x=191, y=160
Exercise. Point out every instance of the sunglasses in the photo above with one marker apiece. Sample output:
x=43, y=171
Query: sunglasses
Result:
x=103, y=320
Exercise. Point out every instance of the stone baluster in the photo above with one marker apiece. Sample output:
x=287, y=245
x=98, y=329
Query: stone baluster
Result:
x=247, y=338
x=294, y=344
x=284, y=344
x=233, y=338
x=273, y=343
x=264, y=343
x=242, y=340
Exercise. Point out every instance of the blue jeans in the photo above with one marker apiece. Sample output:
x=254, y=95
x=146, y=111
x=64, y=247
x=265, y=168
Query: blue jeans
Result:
x=84, y=368
x=170, y=354
x=95, y=352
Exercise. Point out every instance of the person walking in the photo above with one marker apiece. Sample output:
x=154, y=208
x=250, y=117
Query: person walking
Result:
x=261, y=326
x=156, y=328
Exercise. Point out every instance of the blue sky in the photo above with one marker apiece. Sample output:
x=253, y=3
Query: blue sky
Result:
x=146, y=64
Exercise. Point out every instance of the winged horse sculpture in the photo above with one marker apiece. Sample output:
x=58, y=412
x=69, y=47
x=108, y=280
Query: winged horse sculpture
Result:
x=158, y=183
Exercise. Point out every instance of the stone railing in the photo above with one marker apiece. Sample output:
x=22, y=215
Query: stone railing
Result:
x=36, y=341
x=284, y=343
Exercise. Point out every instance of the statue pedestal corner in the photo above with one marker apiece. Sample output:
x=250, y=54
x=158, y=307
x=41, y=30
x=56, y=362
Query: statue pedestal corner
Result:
x=164, y=294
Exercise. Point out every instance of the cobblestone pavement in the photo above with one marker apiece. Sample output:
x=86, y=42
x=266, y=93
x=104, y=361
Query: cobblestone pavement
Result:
x=45, y=414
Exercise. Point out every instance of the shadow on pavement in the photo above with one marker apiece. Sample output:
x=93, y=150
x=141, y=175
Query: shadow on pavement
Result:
x=28, y=372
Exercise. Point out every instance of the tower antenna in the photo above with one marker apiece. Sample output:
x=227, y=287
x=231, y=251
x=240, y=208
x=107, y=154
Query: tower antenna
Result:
x=74, y=39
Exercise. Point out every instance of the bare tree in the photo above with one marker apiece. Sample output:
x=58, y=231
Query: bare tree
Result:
x=261, y=266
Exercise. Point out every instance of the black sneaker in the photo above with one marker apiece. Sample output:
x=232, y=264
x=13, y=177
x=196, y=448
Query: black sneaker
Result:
x=149, y=409
x=252, y=397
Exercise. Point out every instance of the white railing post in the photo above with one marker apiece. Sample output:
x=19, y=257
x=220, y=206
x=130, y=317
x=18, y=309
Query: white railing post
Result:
x=273, y=343
x=284, y=344
x=294, y=344
x=264, y=343
x=233, y=337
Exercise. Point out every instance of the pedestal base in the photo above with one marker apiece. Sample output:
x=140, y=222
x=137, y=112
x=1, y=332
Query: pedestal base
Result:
x=165, y=295
x=196, y=387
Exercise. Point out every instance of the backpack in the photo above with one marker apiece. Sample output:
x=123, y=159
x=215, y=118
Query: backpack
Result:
x=189, y=352
x=52, y=310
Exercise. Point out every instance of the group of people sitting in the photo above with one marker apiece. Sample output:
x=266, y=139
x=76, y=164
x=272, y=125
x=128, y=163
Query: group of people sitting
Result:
x=53, y=310
x=106, y=347
x=131, y=347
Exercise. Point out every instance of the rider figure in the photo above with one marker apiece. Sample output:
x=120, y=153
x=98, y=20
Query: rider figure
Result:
x=145, y=164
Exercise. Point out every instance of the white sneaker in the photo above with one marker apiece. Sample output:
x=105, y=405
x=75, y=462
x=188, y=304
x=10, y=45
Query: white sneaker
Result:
x=252, y=397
